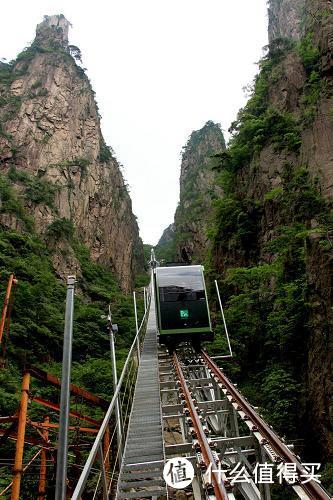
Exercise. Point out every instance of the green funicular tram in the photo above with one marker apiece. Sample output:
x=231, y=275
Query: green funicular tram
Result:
x=182, y=305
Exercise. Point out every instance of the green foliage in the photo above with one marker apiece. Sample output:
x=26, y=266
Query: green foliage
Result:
x=6, y=74
x=11, y=204
x=309, y=53
x=40, y=191
x=231, y=226
x=142, y=280
x=18, y=175
x=105, y=153
x=302, y=200
x=280, y=393
x=253, y=132
x=199, y=137
x=101, y=286
x=37, y=190
x=266, y=303
x=36, y=84
x=274, y=194
x=258, y=123
x=11, y=106
x=37, y=317
x=327, y=476
x=61, y=229
x=168, y=250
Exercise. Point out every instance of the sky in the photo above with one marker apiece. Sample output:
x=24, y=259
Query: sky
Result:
x=160, y=69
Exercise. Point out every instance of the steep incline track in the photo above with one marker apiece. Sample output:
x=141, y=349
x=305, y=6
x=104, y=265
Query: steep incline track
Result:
x=312, y=488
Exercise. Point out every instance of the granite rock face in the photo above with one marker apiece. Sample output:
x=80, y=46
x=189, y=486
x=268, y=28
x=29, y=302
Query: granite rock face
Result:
x=197, y=189
x=51, y=131
x=285, y=19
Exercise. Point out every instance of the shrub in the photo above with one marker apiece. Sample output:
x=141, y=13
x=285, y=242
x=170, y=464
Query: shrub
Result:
x=61, y=229
x=105, y=153
x=40, y=191
x=309, y=53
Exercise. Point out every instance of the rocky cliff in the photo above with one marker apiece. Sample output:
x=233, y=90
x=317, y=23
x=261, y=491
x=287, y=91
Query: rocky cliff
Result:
x=271, y=233
x=285, y=19
x=52, y=149
x=197, y=189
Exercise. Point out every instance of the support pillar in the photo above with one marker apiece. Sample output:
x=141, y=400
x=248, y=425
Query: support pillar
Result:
x=62, y=455
x=22, y=420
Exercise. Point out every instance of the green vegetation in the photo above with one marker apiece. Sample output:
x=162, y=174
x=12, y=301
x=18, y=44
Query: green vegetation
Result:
x=61, y=229
x=105, y=153
x=10, y=203
x=36, y=190
x=266, y=287
x=79, y=161
x=309, y=53
x=38, y=314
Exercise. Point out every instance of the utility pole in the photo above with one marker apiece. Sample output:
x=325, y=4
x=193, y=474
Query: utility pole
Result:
x=61, y=476
x=113, y=328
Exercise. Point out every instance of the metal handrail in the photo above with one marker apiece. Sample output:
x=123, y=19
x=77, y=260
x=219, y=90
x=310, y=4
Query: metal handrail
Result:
x=98, y=441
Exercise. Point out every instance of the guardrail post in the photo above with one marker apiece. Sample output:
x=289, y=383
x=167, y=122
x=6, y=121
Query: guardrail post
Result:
x=145, y=297
x=61, y=476
x=136, y=328
x=115, y=381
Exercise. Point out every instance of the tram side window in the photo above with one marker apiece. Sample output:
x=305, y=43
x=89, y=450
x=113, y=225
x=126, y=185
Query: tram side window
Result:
x=170, y=294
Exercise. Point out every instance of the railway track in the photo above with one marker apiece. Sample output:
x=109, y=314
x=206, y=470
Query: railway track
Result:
x=211, y=452
x=186, y=395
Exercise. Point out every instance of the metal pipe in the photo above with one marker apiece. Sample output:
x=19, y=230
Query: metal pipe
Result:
x=115, y=381
x=106, y=452
x=224, y=322
x=145, y=298
x=20, y=437
x=61, y=475
x=136, y=327
x=11, y=281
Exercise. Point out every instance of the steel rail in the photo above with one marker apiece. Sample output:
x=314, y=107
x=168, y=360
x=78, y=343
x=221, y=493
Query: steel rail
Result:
x=218, y=485
x=95, y=448
x=312, y=489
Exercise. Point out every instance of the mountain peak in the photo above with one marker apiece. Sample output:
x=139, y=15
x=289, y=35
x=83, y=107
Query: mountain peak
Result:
x=53, y=31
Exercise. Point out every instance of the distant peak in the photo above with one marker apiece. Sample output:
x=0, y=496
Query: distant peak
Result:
x=53, y=30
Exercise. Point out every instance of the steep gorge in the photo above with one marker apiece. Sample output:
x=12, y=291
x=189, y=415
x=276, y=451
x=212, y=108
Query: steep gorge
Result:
x=186, y=239
x=271, y=235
